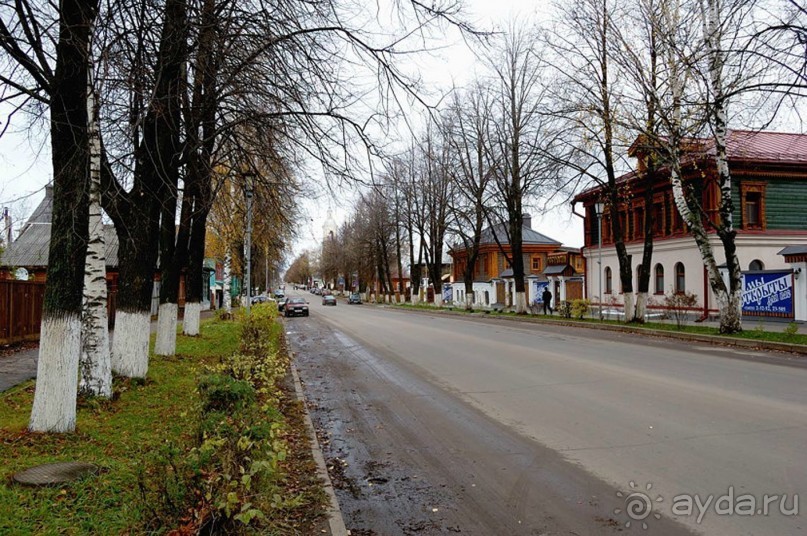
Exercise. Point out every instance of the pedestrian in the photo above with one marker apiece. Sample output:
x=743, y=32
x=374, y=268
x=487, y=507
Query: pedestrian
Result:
x=547, y=298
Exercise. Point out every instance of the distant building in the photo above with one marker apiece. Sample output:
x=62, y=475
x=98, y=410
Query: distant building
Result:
x=546, y=264
x=769, y=190
x=31, y=249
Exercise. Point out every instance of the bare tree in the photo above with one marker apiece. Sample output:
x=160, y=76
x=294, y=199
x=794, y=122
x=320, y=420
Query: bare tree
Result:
x=465, y=126
x=27, y=47
x=522, y=137
x=588, y=97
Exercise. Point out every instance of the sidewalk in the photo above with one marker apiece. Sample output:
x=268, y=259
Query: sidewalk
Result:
x=749, y=322
x=21, y=366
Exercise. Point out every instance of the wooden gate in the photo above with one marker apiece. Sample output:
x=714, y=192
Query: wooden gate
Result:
x=574, y=290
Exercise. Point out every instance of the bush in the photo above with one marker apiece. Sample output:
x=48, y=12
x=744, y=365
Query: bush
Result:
x=225, y=393
x=791, y=330
x=565, y=309
x=679, y=305
x=579, y=308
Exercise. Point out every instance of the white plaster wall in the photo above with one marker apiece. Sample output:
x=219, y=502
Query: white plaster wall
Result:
x=669, y=252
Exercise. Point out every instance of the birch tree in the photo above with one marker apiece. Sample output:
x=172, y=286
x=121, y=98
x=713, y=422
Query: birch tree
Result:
x=95, y=364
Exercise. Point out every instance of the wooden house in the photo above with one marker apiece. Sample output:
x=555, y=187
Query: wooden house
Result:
x=769, y=191
x=546, y=263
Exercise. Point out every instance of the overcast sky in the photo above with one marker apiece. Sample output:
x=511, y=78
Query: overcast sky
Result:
x=25, y=165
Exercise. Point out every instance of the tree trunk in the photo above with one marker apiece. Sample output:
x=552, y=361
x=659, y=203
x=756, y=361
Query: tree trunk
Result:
x=54, y=406
x=227, y=279
x=95, y=364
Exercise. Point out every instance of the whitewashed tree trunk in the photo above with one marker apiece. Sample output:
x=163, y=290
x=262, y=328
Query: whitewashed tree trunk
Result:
x=641, y=305
x=713, y=26
x=166, y=342
x=192, y=318
x=469, y=301
x=415, y=298
x=95, y=367
x=438, y=299
x=54, y=408
x=227, y=277
x=629, y=307
x=520, y=302
x=130, y=344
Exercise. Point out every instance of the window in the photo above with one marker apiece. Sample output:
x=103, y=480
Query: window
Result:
x=752, y=194
x=639, y=232
x=658, y=219
x=536, y=263
x=680, y=278
x=756, y=265
x=487, y=298
x=753, y=215
x=608, y=289
x=659, y=286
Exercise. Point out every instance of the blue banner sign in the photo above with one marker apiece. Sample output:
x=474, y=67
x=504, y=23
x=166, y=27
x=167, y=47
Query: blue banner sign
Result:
x=768, y=293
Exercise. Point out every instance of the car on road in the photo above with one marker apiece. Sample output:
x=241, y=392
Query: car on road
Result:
x=260, y=299
x=295, y=307
x=329, y=299
x=354, y=298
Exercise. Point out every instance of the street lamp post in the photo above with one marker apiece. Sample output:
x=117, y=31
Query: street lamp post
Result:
x=249, y=179
x=598, y=208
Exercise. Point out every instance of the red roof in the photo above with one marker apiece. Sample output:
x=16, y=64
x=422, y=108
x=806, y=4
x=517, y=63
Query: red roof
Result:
x=768, y=146
x=781, y=147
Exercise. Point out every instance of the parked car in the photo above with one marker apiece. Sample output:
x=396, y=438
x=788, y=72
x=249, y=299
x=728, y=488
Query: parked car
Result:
x=281, y=302
x=329, y=299
x=295, y=307
x=260, y=299
x=354, y=298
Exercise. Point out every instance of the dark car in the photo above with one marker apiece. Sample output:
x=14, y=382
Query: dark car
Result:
x=295, y=307
x=281, y=302
x=354, y=298
x=329, y=299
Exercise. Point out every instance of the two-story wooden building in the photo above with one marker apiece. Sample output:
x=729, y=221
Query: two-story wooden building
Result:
x=769, y=190
x=546, y=263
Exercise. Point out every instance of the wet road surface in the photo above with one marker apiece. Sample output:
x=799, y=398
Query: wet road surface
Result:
x=408, y=457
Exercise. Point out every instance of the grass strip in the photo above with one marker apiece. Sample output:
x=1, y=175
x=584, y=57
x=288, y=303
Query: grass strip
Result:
x=157, y=464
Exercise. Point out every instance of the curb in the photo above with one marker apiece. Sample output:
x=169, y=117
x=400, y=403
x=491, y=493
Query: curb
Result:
x=335, y=520
x=800, y=349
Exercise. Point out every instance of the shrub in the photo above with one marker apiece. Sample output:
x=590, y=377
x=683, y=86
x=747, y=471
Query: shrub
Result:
x=579, y=308
x=225, y=393
x=791, y=330
x=679, y=305
x=565, y=309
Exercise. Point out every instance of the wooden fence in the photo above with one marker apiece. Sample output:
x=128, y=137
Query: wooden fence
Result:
x=20, y=310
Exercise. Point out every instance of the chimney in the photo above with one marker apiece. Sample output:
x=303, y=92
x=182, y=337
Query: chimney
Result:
x=526, y=220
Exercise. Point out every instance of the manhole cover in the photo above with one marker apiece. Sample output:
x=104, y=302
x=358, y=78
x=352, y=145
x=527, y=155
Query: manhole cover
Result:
x=54, y=473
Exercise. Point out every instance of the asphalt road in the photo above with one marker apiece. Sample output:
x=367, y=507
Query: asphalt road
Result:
x=437, y=424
